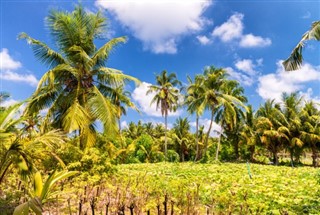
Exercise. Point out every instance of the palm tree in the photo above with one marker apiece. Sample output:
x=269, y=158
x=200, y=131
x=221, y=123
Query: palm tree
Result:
x=194, y=104
x=166, y=97
x=214, y=97
x=181, y=136
x=73, y=89
x=248, y=134
x=295, y=60
x=310, y=117
x=291, y=111
x=18, y=149
x=230, y=114
x=120, y=98
x=271, y=127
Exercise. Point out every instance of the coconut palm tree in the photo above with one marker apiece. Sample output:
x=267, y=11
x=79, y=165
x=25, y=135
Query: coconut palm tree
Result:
x=73, y=87
x=291, y=110
x=295, y=59
x=181, y=136
x=310, y=118
x=271, y=127
x=121, y=99
x=230, y=114
x=166, y=96
x=18, y=149
x=194, y=103
x=214, y=97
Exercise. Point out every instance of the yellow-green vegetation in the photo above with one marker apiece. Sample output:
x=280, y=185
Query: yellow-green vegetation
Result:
x=201, y=188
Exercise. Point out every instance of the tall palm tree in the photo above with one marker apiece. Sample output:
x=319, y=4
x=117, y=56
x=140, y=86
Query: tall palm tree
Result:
x=295, y=59
x=181, y=136
x=121, y=99
x=230, y=114
x=166, y=96
x=291, y=110
x=271, y=127
x=214, y=97
x=194, y=103
x=310, y=117
x=73, y=87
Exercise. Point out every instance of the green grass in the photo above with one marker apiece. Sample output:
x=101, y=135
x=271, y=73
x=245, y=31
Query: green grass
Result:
x=222, y=187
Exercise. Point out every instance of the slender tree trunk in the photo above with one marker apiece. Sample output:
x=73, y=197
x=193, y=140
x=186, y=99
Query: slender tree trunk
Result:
x=197, y=138
x=252, y=149
x=291, y=157
x=218, y=146
x=275, y=157
x=165, y=134
x=314, y=156
x=208, y=134
x=119, y=124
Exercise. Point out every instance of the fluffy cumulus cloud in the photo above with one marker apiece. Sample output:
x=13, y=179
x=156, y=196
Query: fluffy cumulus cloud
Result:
x=7, y=62
x=215, y=130
x=8, y=66
x=8, y=102
x=204, y=40
x=16, y=77
x=143, y=101
x=271, y=86
x=245, y=70
x=232, y=30
x=158, y=24
x=250, y=40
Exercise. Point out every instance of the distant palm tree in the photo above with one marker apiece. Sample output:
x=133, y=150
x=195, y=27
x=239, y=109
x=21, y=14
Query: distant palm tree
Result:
x=181, y=136
x=73, y=88
x=194, y=103
x=230, y=114
x=295, y=60
x=215, y=80
x=310, y=117
x=166, y=97
x=271, y=128
x=292, y=109
x=120, y=98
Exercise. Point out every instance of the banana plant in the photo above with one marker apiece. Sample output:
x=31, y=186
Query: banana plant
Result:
x=42, y=192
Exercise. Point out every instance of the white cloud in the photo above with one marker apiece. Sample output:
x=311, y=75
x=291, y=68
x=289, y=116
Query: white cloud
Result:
x=143, y=100
x=247, y=66
x=249, y=40
x=158, y=24
x=15, y=77
x=242, y=78
x=271, y=86
x=215, y=130
x=204, y=40
x=124, y=124
x=308, y=96
x=7, y=62
x=8, y=102
x=231, y=29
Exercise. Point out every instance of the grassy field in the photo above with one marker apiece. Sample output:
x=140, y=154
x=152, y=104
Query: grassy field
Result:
x=187, y=188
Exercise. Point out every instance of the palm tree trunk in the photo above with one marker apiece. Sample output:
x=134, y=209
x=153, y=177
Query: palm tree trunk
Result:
x=119, y=124
x=197, y=138
x=314, y=156
x=165, y=134
x=218, y=146
x=208, y=134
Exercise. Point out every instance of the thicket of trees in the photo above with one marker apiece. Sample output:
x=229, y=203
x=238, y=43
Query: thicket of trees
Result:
x=78, y=90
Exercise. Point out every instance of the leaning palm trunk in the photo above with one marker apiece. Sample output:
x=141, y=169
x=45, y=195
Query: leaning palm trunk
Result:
x=314, y=156
x=197, y=139
x=218, y=145
x=165, y=133
x=208, y=134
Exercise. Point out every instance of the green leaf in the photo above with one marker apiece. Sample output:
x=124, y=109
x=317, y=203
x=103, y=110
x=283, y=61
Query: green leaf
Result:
x=22, y=209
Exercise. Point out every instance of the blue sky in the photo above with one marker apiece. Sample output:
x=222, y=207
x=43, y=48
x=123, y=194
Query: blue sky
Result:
x=248, y=38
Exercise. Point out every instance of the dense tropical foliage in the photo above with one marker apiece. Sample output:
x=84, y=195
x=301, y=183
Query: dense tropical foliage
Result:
x=53, y=136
